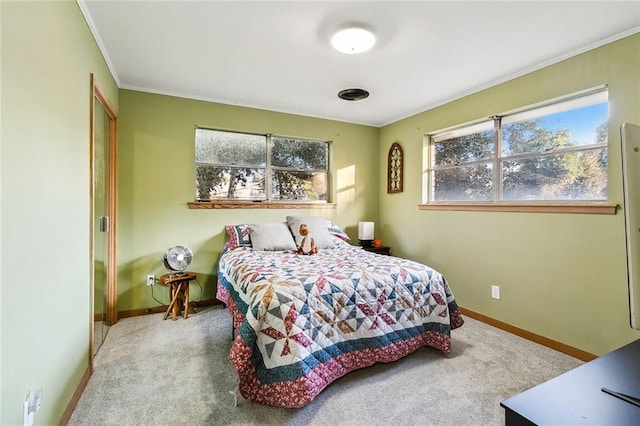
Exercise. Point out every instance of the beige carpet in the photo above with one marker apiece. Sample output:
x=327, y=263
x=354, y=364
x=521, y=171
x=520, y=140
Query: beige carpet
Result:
x=155, y=372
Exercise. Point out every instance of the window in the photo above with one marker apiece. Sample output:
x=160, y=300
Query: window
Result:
x=233, y=166
x=551, y=153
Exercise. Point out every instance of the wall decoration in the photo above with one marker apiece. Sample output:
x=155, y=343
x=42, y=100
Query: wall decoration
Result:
x=395, y=172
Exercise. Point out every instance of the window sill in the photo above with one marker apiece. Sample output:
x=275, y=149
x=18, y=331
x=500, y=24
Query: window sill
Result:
x=585, y=208
x=257, y=205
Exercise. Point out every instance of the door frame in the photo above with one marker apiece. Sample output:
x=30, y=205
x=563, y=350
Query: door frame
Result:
x=111, y=313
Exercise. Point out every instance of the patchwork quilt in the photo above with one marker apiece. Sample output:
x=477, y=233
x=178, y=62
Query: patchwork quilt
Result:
x=301, y=321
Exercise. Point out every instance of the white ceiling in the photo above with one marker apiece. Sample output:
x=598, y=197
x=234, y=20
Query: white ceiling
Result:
x=277, y=55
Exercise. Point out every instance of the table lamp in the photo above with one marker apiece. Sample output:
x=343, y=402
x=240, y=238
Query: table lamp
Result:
x=365, y=233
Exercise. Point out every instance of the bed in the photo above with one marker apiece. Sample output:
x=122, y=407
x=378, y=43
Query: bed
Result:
x=303, y=321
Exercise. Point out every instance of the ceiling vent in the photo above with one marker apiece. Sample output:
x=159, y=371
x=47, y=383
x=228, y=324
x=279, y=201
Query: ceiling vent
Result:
x=353, y=94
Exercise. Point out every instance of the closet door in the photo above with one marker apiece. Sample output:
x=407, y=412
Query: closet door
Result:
x=103, y=209
x=100, y=223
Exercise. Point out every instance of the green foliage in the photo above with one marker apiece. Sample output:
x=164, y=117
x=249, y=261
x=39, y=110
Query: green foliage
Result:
x=292, y=187
x=552, y=176
x=224, y=182
x=207, y=178
x=476, y=146
x=468, y=182
x=299, y=154
x=303, y=156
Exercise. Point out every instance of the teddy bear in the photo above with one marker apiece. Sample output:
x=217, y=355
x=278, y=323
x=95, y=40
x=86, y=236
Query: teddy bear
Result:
x=308, y=243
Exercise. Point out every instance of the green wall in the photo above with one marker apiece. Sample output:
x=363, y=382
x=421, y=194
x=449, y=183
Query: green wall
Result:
x=48, y=54
x=156, y=181
x=562, y=276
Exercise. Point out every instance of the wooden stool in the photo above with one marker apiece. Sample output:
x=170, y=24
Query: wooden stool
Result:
x=179, y=290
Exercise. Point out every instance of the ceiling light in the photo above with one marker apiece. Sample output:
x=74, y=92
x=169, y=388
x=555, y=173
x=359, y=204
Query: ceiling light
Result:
x=353, y=40
x=353, y=94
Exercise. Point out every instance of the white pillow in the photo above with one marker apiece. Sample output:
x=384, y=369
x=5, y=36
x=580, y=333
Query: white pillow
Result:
x=271, y=237
x=317, y=229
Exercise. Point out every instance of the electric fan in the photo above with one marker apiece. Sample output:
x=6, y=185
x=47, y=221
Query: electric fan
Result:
x=177, y=258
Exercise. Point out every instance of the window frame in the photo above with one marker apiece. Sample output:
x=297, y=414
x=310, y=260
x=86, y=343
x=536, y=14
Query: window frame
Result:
x=267, y=201
x=497, y=202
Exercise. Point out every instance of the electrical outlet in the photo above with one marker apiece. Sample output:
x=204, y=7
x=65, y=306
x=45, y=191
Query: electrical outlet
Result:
x=151, y=280
x=37, y=398
x=30, y=406
x=495, y=292
x=27, y=416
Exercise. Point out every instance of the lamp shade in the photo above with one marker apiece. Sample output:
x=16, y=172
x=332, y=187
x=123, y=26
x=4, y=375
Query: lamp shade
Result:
x=366, y=230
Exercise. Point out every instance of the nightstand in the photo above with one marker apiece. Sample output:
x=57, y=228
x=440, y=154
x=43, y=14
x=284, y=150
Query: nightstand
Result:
x=379, y=250
x=179, y=292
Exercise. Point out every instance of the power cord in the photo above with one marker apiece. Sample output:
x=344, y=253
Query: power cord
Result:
x=199, y=285
x=154, y=297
